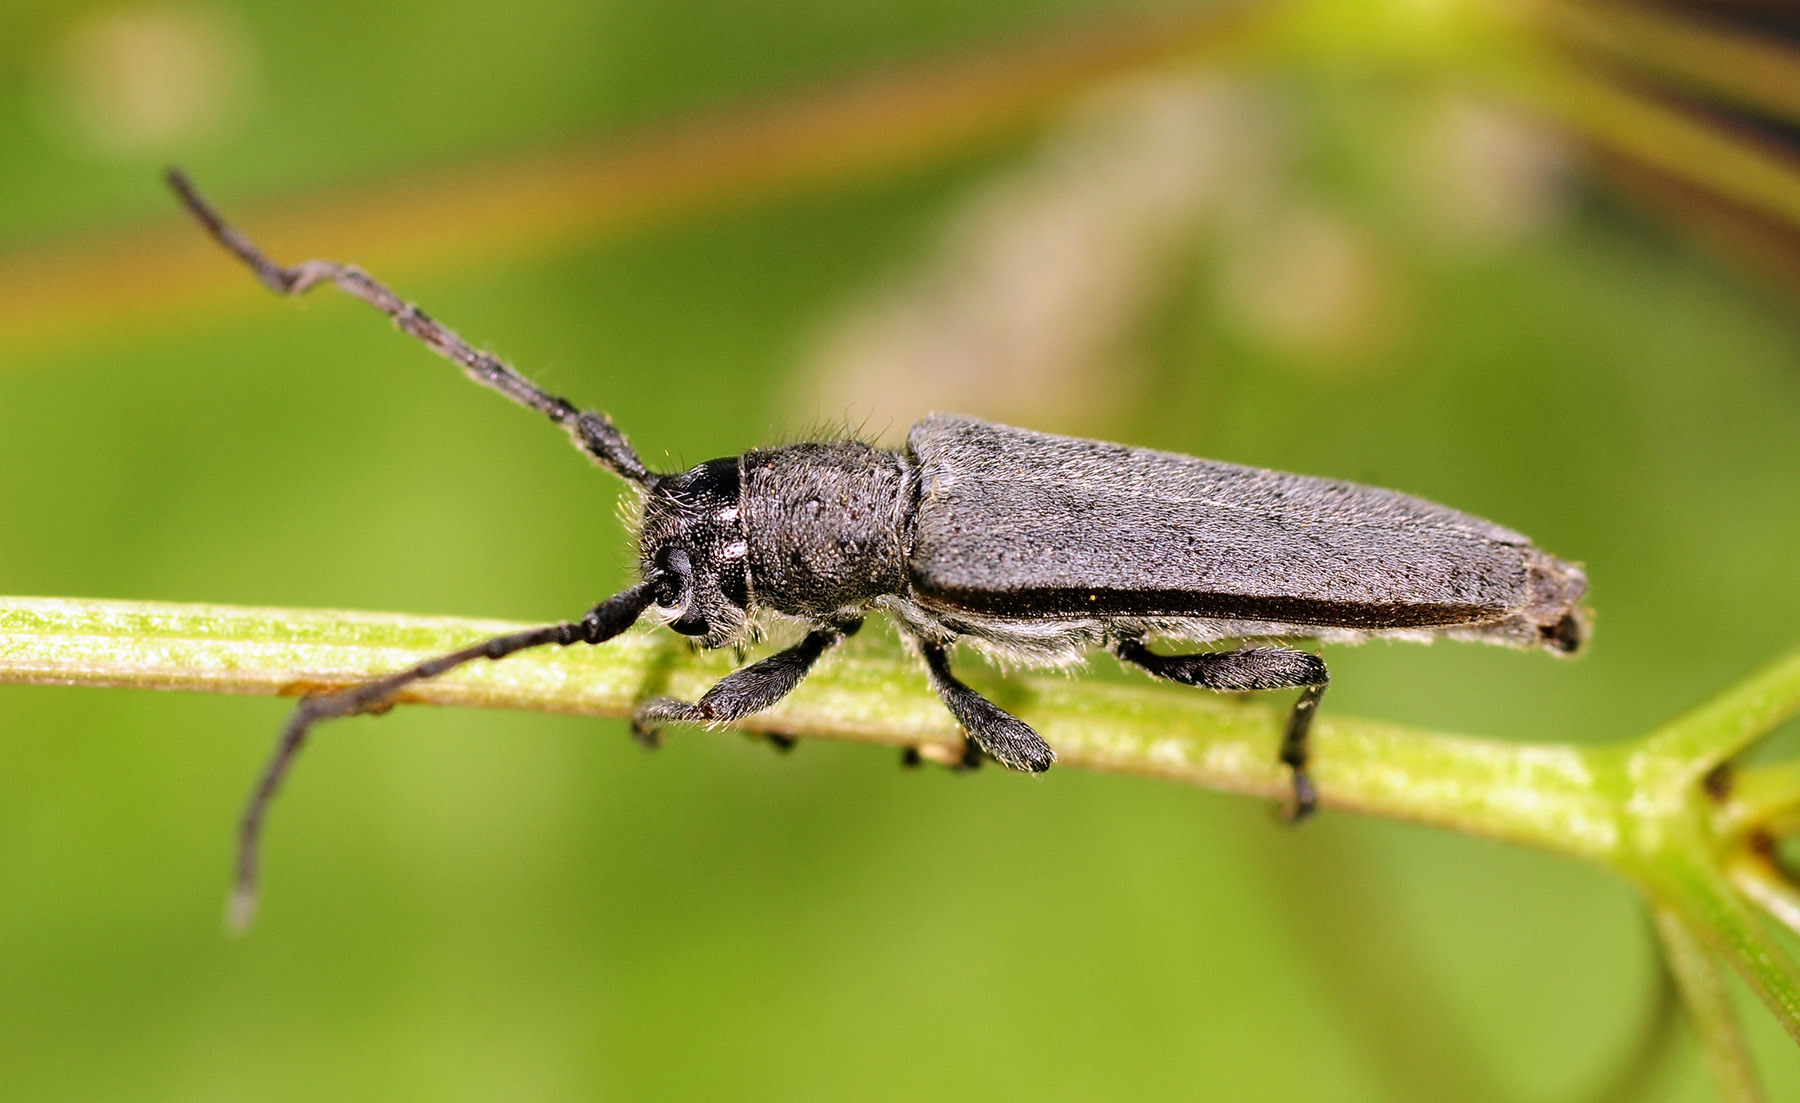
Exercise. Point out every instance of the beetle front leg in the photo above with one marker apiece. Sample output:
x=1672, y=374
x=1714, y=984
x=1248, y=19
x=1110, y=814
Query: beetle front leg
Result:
x=1252, y=669
x=1009, y=740
x=740, y=693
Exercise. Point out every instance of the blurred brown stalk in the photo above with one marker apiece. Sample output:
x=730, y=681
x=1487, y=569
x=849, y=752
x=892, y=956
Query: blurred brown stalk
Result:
x=1691, y=112
x=526, y=201
x=1688, y=112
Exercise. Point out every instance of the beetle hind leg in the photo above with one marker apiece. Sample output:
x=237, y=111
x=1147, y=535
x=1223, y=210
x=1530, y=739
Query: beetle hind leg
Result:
x=1251, y=669
x=1003, y=736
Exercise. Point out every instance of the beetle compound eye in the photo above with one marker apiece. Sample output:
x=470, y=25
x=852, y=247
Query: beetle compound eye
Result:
x=677, y=577
x=691, y=623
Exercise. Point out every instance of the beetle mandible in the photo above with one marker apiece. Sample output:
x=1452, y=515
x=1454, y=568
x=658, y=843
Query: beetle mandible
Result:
x=1035, y=548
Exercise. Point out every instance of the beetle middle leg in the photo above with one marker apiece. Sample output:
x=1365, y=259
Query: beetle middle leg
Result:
x=742, y=692
x=1008, y=739
x=1250, y=669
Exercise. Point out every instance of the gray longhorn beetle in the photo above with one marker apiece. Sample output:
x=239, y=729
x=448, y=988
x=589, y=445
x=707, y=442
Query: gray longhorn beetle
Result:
x=1035, y=548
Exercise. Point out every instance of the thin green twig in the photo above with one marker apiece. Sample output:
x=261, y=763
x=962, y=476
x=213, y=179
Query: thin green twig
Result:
x=1662, y=811
x=1720, y=728
x=1707, y=995
x=869, y=691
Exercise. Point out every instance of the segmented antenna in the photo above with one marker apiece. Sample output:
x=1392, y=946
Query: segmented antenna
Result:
x=593, y=433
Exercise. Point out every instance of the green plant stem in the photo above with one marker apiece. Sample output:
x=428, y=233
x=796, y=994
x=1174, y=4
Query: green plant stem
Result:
x=1764, y=798
x=1547, y=796
x=1706, y=899
x=1653, y=810
x=1760, y=881
x=1708, y=735
x=1708, y=998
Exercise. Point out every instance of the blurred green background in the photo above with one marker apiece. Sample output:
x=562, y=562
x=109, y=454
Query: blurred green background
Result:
x=1325, y=239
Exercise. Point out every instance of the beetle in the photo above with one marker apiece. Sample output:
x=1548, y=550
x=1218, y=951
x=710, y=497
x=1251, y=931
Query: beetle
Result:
x=1037, y=549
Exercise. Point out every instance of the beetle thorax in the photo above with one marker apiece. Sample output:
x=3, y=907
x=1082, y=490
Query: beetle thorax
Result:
x=826, y=525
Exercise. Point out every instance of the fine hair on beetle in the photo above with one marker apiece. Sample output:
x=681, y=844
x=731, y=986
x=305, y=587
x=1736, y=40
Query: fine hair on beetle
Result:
x=1036, y=549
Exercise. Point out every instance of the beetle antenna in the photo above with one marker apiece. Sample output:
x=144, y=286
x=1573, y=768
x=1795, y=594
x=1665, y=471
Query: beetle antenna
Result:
x=593, y=433
x=602, y=623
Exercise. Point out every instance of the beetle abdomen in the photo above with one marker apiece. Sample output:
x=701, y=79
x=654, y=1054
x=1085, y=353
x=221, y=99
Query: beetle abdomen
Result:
x=1027, y=524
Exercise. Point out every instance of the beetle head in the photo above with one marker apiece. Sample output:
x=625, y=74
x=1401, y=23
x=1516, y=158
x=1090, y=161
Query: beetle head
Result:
x=692, y=541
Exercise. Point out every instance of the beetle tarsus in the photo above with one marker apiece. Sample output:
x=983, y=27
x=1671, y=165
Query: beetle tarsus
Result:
x=1306, y=798
x=645, y=735
x=1296, y=750
x=970, y=760
x=967, y=760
